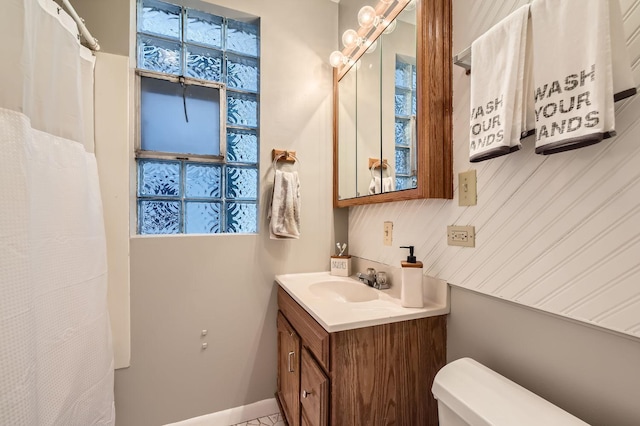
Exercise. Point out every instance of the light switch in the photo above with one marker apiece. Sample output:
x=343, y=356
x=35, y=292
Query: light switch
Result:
x=467, y=188
x=387, y=238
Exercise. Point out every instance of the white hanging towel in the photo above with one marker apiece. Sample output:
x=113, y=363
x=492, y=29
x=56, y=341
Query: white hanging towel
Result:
x=580, y=67
x=498, y=95
x=528, y=125
x=285, y=206
x=623, y=84
x=386, y=184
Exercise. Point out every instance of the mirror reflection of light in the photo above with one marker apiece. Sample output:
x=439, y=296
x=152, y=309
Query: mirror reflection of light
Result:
x=372, y=46
x=390, y=27
x=410, y=6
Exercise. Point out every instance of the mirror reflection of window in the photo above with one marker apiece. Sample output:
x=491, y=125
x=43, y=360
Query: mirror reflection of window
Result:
x=405, y=122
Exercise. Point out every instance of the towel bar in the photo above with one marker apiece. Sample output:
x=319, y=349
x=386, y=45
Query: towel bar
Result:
x=463, y=59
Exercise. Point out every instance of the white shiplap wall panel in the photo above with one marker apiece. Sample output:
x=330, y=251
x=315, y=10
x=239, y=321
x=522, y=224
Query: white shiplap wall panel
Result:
x=559, y=233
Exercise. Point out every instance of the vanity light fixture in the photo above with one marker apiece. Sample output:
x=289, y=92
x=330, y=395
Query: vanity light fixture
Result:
x=373, y=21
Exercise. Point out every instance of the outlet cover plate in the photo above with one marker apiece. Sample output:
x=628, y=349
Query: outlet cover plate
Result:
x=464, y=236
x=467, y=188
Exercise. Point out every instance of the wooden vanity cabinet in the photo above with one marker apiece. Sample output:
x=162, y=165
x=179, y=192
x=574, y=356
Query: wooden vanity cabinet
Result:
x=377, y=375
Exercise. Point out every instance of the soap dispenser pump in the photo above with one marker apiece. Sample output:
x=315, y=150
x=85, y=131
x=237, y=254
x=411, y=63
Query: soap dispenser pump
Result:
x=411, y=289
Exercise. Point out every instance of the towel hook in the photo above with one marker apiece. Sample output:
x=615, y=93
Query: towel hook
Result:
x=382, y=167
x=285, y=156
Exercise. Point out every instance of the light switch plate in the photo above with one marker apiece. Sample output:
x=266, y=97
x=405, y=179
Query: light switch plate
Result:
x=464, y=236
x=467, y=188
x=387, y=238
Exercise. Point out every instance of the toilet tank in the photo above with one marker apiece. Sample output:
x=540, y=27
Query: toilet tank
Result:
x=469, y=393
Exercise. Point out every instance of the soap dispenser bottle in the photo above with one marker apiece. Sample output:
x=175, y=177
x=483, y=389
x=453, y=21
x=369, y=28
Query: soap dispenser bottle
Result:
x=411, y=289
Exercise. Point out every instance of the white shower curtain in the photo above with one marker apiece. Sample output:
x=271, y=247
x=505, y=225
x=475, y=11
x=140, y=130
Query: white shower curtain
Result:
x=56, y=360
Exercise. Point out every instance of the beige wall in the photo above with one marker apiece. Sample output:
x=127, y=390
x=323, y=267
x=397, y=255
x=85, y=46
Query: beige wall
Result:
x=113, y=156
x=107, y=21
x=587, y=371
x=224, y=284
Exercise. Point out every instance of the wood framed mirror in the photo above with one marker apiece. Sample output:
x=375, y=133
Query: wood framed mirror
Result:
x=433, y=176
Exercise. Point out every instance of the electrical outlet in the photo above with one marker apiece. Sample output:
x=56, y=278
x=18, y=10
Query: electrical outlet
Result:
x=464, y=236
x=387, y=238
x=467, y=188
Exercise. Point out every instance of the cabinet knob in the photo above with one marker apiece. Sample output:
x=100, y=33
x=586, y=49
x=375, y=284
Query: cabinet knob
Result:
x=305, y=393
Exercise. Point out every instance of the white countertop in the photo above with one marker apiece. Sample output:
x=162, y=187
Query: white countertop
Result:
x=334, y=315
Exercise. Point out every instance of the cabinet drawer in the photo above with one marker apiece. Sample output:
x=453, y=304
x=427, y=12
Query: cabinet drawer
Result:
x=312, y=334
x=314, y=396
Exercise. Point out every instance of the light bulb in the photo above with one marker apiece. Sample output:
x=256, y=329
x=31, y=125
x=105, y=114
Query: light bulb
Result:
x=410, y=6
x=390, y=27
x=350, y=38
x=367, y=17
x=336, y=58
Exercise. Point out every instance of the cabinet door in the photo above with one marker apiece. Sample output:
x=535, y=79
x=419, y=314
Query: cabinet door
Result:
x=314, y=394
x=289, y=371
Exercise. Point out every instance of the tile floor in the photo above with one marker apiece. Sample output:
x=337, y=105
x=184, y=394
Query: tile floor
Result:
x=271, y=420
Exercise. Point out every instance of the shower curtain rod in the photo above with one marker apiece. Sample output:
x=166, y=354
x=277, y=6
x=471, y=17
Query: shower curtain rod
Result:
x=92, y=42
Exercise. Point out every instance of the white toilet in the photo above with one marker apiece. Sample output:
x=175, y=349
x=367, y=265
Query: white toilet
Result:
x=469, y=393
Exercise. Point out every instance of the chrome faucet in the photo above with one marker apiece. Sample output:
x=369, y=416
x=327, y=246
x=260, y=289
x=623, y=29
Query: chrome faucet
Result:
x=369, y=278
x=374, y=279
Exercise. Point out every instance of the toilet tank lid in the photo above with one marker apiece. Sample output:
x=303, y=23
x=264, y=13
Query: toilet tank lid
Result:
x=480, y=396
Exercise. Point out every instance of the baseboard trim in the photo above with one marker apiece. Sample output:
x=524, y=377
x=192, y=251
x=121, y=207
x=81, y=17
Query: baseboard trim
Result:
x=233, y=415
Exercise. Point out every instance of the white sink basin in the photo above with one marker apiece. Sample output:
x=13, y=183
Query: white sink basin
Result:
x=342, y=303
x=343, y=291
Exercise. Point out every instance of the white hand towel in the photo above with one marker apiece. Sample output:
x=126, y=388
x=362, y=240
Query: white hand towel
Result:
x=386, y=184
x=623, y=84
x=285, y=206
x=579, y=51
x=498, y=116
x=528, y=108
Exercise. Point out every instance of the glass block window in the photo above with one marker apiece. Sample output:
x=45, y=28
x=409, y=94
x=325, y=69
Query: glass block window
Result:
x=179, y=196
x=405, y=115
x=199, y=121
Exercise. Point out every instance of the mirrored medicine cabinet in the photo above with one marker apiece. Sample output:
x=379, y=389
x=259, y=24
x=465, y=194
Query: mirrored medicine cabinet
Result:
x=392, y=105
